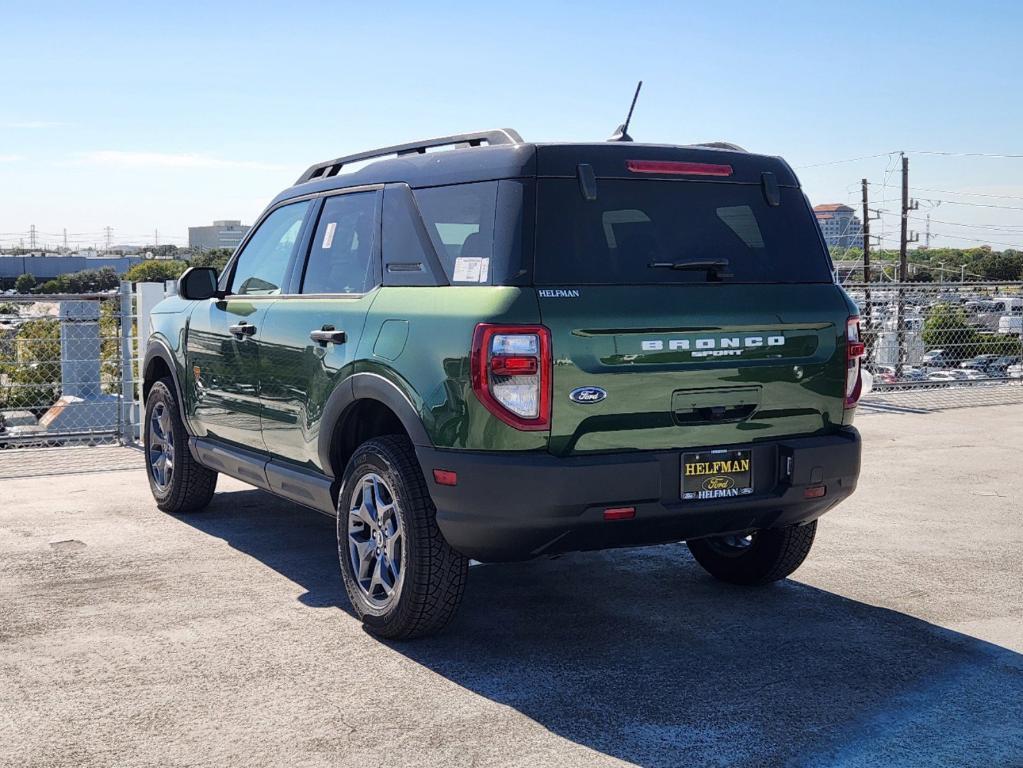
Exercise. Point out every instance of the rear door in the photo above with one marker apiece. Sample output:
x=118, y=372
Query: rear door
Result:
x=311, y=337
x=222, y=354
x=686, y=313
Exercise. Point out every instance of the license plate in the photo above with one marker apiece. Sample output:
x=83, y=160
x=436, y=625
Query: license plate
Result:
x=720, y=474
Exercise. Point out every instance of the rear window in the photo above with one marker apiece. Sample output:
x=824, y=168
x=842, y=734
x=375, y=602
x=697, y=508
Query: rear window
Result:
x=651, y=232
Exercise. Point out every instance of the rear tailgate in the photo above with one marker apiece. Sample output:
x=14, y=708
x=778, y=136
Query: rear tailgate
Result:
x=710, y=365
x=689, y=297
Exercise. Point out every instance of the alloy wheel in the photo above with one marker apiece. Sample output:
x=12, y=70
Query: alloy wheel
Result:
x=375, y=544
x=161, y=446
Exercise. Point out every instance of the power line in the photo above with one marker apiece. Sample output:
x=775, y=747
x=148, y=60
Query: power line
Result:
x=847, y=160
x=976, y=205
x=967, y=194
x=962, y=154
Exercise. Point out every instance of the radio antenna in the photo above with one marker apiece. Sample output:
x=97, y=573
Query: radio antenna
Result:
x=622, y=133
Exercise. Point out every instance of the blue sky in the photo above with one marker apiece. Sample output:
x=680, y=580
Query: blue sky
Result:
x=148, y=116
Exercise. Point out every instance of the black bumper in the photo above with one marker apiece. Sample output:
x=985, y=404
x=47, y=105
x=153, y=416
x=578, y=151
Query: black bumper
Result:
x=514, y=506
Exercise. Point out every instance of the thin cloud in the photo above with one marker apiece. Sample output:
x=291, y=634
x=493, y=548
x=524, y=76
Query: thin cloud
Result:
x=32, y=124
x=185, y=160
x=9, y=158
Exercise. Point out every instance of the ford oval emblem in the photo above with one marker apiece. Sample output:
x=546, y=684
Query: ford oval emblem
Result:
x=587, y=395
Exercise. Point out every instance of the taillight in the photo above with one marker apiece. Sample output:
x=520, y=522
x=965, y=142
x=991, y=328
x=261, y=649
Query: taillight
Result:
x=675, y=168
x=854, y=351
x=511, y=373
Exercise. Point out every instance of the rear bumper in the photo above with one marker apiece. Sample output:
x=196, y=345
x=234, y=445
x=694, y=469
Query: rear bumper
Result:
x=514, y=506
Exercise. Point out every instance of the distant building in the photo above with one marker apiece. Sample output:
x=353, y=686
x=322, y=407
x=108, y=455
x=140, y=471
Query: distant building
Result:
x=225, y=233
x=840, y=225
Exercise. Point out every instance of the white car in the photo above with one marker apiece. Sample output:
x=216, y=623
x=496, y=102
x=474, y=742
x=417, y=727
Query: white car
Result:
x=947, y=377
x=1015, y=371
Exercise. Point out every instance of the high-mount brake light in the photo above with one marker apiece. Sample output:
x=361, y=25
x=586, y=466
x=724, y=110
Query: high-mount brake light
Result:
x=854, y=352
x=511, y=373
x=675, y=168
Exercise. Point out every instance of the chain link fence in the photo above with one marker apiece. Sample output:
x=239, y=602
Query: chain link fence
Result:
x=66, y=374
x=942, y=345
x=69, y=365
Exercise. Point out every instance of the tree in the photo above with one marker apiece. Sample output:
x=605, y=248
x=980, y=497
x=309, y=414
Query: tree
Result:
x=24, y=283
x=947, y=327
x=32, y=367
x=215, y=257
x=155, y=271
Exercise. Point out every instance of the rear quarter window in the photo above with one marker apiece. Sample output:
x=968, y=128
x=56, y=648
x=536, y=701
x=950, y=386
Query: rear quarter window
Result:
x=460, y=222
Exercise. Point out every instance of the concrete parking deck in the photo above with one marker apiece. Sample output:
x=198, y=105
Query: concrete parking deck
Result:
x=129, y=637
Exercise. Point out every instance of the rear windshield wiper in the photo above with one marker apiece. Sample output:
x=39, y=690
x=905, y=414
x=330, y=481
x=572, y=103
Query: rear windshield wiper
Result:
x=713, y=267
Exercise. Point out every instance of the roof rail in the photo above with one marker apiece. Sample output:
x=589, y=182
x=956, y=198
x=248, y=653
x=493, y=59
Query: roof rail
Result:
x=491, y=138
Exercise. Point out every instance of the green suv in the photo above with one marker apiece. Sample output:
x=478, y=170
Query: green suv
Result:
x=475, y=347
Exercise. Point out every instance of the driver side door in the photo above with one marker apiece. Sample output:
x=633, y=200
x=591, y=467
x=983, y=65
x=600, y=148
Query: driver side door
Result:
x=222, y=347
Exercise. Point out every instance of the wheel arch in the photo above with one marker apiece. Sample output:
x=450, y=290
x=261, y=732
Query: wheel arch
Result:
x=159, y=363
x=365, y=405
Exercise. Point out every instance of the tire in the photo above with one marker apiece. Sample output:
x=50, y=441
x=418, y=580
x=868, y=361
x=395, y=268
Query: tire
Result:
x=184, y=485
x=760, y=558
x=386, y=519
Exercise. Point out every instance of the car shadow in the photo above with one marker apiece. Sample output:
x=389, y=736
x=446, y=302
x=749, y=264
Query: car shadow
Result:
x=639, y=655
x=298, y=543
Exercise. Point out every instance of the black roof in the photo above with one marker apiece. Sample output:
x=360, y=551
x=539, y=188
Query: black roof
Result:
x=514, y=158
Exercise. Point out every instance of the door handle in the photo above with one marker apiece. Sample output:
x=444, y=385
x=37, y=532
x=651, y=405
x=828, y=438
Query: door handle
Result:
x=328, y=335
x=242, y=329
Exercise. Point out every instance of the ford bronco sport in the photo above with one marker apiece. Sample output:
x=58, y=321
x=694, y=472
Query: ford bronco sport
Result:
x=504, y=350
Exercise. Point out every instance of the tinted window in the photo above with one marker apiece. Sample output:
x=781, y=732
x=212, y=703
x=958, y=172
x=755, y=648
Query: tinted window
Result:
x=261, y=266
x=633, y=224
x=460, y=222
x=343, y=255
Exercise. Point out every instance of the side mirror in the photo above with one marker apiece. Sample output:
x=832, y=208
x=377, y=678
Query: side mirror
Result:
x=198, y=283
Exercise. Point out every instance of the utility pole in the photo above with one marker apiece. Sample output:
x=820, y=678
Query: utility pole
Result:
x=109, y=233
x=32, y=237
x=900, y=314
x=156, y=237
x=927, y=235
x=866, y=251
x=65, y=239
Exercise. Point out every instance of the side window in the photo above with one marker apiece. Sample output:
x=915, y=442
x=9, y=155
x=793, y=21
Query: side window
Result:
x=460, y=221
x=344, y=257
x=261, y=266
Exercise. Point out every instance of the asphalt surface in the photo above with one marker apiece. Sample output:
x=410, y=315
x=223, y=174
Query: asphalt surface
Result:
x=128, y=637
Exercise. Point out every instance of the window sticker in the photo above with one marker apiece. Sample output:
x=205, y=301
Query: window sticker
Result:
x=467, y=270
x=328, y=235
x=484, y=270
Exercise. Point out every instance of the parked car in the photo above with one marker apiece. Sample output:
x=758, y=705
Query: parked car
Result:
x=488, y=353
x=1014, y=371
x=936, y=358
x=980, y=363
x=1000, y=365
x=950, y=376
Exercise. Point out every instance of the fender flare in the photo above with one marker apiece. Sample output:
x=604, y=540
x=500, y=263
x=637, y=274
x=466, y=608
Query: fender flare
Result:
x=159, y=349
x=366, y=386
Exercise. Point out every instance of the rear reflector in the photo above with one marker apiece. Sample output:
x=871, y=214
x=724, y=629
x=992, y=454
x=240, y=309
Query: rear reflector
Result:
x=513, y=365
x=619, y=513
x=678, y=169
x=855, y=350
x=815, y=491
x=445, y=477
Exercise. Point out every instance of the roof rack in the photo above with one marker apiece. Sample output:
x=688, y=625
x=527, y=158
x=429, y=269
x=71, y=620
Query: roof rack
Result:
x=491, y=138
